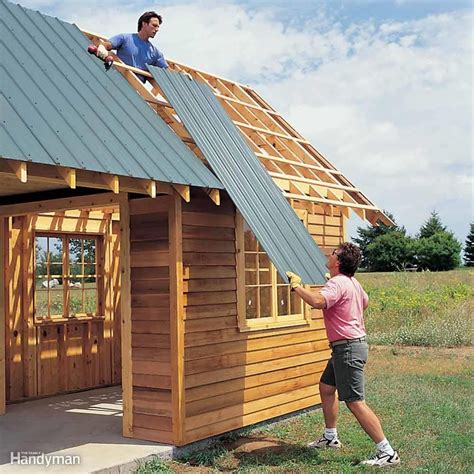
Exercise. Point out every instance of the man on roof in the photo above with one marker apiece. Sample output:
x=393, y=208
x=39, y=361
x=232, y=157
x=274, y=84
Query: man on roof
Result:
x=135, y=49
x=343, y=301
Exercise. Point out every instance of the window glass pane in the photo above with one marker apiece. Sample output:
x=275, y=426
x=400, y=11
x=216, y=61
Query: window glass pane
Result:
x=89, y=269
x=40, y=256
x=41, y=299
x=90, y=297
x=296, y=304
x=56, y=302
x=250, y=277
x=264, y=266
x=265, y=301
x=89, y=250
x=75, y=251
x=281, y=281
x=250, y=241
x=75, y=301
x=55, y=249
x=251, y=302
x=283, y=301
x=251, y=261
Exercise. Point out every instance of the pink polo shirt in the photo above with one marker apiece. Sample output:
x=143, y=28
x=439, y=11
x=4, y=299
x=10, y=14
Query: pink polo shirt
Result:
x=345, y=304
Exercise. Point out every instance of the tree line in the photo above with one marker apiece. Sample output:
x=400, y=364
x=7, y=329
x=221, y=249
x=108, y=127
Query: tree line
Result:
x=434, y=248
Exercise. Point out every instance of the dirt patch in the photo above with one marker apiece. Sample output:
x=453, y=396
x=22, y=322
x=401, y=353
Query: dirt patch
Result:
x=256, y=445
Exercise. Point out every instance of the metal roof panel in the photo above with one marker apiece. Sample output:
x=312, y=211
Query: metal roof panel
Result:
x=266, y=211
x=60, y=107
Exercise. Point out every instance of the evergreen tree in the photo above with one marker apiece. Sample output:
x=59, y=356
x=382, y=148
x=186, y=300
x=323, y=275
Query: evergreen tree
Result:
x=393, y=251
x=431, y=226
x=366, y=235
x=469, y=248
x=440, y=252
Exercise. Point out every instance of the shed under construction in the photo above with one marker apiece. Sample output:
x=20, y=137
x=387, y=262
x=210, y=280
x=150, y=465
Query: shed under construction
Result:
x=145, y=231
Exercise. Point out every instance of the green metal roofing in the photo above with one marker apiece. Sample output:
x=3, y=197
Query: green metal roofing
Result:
x=263, y=206
x=60, y=107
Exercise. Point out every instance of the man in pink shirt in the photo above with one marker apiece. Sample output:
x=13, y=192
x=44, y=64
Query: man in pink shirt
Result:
x=343, y=301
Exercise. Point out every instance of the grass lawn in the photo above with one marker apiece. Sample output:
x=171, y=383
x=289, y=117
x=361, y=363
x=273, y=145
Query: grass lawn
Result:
x=419, y=382
x=422, y=395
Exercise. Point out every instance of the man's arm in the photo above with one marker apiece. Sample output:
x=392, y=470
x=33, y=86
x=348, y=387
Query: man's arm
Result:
x=314, y=298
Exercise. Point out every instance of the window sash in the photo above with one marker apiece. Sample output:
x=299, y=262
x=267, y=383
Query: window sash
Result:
x=79, y=296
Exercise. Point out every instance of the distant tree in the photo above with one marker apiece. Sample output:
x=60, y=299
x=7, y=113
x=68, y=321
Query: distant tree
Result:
x=469, y=248
x=439, y=252
x=366, y=235
x=392, y=251
x=431, y=226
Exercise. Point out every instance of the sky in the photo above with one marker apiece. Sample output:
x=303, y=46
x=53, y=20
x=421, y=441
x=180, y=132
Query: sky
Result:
x=382, y=88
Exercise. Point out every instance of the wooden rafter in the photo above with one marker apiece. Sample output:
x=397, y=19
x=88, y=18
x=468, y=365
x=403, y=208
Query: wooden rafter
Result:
x=281, y=149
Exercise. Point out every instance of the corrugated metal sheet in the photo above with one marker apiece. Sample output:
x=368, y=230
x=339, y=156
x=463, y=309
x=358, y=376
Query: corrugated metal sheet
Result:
x=60, y=107
x=266, y=211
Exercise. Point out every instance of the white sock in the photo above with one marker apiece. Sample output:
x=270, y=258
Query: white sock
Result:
x=385, y=447
x=330, y=433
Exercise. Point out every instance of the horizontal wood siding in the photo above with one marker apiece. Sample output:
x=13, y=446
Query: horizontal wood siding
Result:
x=150, y=301
x=233, y=378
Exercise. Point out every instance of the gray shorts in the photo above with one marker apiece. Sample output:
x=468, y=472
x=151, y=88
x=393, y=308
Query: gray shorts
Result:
x=345, y=370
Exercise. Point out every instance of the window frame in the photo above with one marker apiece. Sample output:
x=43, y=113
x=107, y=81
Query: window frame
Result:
x=274, y=321
x=99, y=276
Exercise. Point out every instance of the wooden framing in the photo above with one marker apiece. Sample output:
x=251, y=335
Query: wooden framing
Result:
x=174, y=271
x=126, y=315
x=281, y=149
x=3, y=385
x=49, y=356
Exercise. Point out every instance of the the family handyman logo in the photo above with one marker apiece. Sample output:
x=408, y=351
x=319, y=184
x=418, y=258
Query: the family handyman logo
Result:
x=25, y=458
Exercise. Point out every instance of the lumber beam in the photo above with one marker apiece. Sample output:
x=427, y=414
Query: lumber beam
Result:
x=69, y=176
x=126, y=316
x=215, y=196
x=330, y=202
x=183, y=191
x=150, y=188
x=3, y=266
x=92, y=201
x=20, y=170
x=112, y=182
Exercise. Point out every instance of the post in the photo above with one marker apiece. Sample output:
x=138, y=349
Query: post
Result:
x=126, y=315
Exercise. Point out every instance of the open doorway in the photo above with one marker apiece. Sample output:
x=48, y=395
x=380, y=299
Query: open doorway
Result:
x=62, y=280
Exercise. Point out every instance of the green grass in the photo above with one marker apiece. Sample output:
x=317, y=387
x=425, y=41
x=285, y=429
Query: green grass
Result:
x=420, y=309
x=422, y=396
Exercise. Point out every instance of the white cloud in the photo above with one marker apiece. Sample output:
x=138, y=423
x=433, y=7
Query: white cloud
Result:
x=389, y=104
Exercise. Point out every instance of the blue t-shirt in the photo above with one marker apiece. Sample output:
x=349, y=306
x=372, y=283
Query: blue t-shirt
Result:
x=132, y=50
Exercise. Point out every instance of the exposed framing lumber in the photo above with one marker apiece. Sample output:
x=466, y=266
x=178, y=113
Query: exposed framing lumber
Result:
x=50, y=174
x=287, y=152
x=3, y=244
x=214, y=196
x=126, y=315
x=183, y=190
x=20, y=170
x=69, y=176
x=176, y=318
x=92, y=201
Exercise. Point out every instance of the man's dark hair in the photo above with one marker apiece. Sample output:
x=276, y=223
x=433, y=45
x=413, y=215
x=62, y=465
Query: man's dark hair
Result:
x=349, y=256
x=146, y=17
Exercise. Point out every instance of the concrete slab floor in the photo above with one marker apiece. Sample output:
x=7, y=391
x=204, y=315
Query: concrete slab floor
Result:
x=86, y=424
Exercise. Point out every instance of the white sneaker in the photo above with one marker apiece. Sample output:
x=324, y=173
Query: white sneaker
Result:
x=323, y=442
x=382, y=459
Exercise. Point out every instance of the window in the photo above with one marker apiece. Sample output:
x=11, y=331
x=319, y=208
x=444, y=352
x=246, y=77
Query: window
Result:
x=268, y=301
x=67, y=276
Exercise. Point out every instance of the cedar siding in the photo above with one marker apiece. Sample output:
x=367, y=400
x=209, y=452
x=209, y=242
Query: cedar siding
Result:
x=150, y=305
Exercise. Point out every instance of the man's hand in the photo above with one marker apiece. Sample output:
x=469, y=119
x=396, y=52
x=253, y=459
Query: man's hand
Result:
x=294, y=280
x=102, y=52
